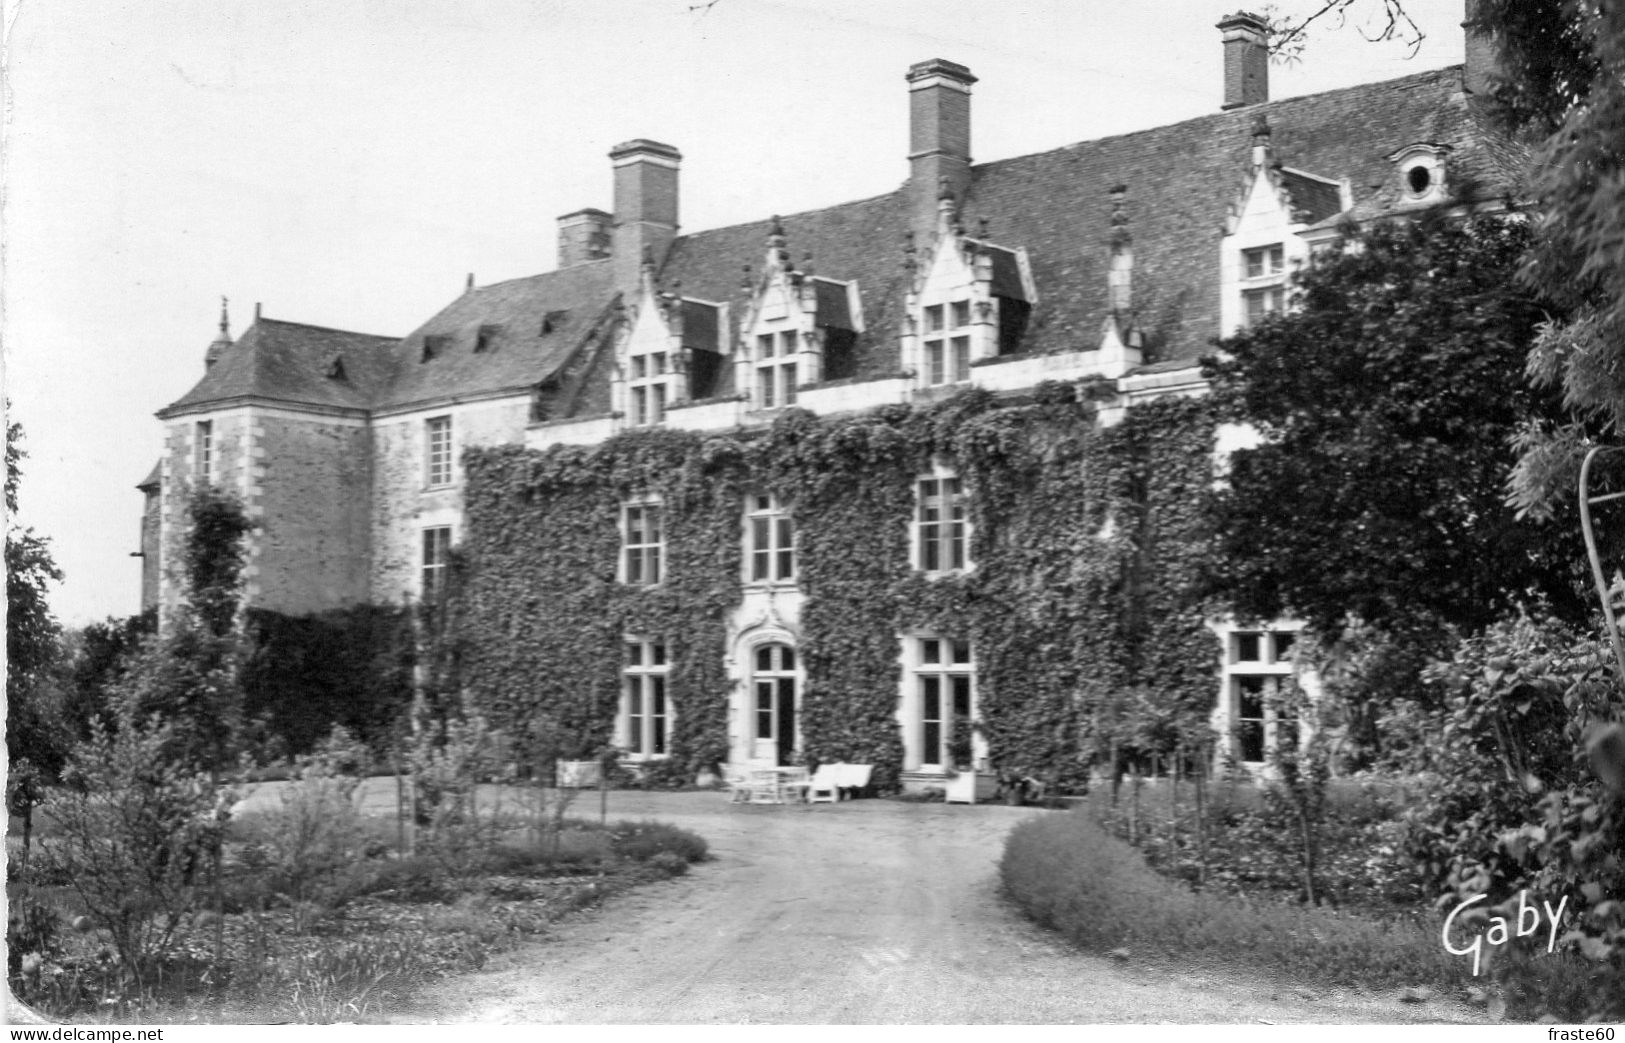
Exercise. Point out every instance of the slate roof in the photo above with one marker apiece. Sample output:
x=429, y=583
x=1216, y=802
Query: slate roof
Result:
x=518, y=354
x=1180, y=182
x=289, y=362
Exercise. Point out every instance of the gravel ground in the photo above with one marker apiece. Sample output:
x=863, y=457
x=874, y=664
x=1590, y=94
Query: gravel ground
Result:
x=867, y=912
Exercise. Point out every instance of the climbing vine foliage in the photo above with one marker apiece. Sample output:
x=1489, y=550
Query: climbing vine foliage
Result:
x=1086, y=545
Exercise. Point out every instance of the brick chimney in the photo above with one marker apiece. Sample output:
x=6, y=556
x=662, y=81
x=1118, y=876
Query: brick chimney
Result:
x=645, y=207
x=938, y=139
x=583, y=236
x=1246, y=60
x=1483, y=58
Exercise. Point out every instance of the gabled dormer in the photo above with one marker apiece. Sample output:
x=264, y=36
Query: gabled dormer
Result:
x=670, y=351
x=1264, y=233
x=968, y=300
x=798, y=328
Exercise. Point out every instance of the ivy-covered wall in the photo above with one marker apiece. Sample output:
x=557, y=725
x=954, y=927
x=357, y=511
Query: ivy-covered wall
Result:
x=1082, y=604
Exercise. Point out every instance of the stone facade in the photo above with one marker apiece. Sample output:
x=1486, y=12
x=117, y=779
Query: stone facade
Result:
x=1111, y=264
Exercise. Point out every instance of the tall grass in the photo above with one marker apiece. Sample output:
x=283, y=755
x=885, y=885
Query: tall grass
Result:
x=1069, y=874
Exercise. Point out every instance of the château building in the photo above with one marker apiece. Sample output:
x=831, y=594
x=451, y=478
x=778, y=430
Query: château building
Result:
x=1104, y=269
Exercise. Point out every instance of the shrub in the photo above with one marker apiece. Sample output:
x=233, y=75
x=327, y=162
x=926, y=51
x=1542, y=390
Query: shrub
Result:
x=642, y=841
x=307, y=848
x=1513, y=806
x=410, y=878
x=133, y=837
x=1068, y=873
x=32, y=928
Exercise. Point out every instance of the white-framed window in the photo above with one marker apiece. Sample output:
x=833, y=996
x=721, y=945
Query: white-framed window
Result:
x=940, y=705
x=437, y=456
x=1260, y=694
x=1263, y=282
x=643, y=543
x=777, y=372
x=204, y=444
x=945, y=342
x=645, y=717
x=941, y=532
x=770, y=541
x=646, y=383
x=436, y=560
x=774, y=704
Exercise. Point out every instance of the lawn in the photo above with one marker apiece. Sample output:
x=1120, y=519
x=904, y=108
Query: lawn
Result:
x=317, y=920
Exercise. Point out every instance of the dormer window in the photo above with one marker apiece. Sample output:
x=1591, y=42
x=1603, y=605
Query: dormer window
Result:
x=434, y=345
x=777, y=372
x=1263, y=293
x=646, y=387
x=947, y=343
x=1421, y=170
x=486, y=339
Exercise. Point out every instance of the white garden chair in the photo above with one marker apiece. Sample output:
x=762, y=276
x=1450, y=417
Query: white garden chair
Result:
x=825, y=787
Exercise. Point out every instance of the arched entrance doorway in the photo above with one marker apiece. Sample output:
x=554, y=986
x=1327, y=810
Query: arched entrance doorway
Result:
x=775, y=702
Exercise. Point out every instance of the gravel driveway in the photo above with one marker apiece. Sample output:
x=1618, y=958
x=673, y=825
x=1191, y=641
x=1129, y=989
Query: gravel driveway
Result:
x=867, y=912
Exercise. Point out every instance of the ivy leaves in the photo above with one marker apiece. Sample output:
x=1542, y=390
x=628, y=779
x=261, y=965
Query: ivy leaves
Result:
x=1062, y=616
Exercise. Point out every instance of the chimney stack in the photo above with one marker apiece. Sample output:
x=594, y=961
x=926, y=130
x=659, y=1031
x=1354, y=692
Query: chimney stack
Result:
x=645, y=207
x=938, y=140
x=1483, y=59
x=583, y=236
x=1246, y=60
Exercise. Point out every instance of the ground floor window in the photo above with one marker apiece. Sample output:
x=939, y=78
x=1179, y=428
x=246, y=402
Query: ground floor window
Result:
x=645, y=718
x=1261, y=699
x=436, y=560
x=773, y=683
x=939, y=703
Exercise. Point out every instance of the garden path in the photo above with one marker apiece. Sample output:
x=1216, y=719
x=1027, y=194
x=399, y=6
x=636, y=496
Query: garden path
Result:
x=866, y=912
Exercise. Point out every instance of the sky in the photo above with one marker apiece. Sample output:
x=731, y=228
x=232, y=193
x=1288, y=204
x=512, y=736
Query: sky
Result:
x=348, y=163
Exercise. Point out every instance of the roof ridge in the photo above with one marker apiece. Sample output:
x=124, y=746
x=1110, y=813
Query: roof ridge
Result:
x=790, y=217
x=1222, y=114
x=539, y=275
x=324, y=329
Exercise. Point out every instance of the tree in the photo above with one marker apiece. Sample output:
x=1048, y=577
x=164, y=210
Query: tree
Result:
x=189, y=677
x=36, y=739
x=97, y=656
x=1385, y=404
x=1562, y=79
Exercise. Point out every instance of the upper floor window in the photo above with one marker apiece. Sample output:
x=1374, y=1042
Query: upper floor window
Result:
x=438, y=459
x=1263, y=273
x=770, y=539
x=776, y=369
x=940, y=525
x=947, y=343
x=643, y=541
x=646, y=387
x=205, y=451
x=436, y=560
x=645, y=718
